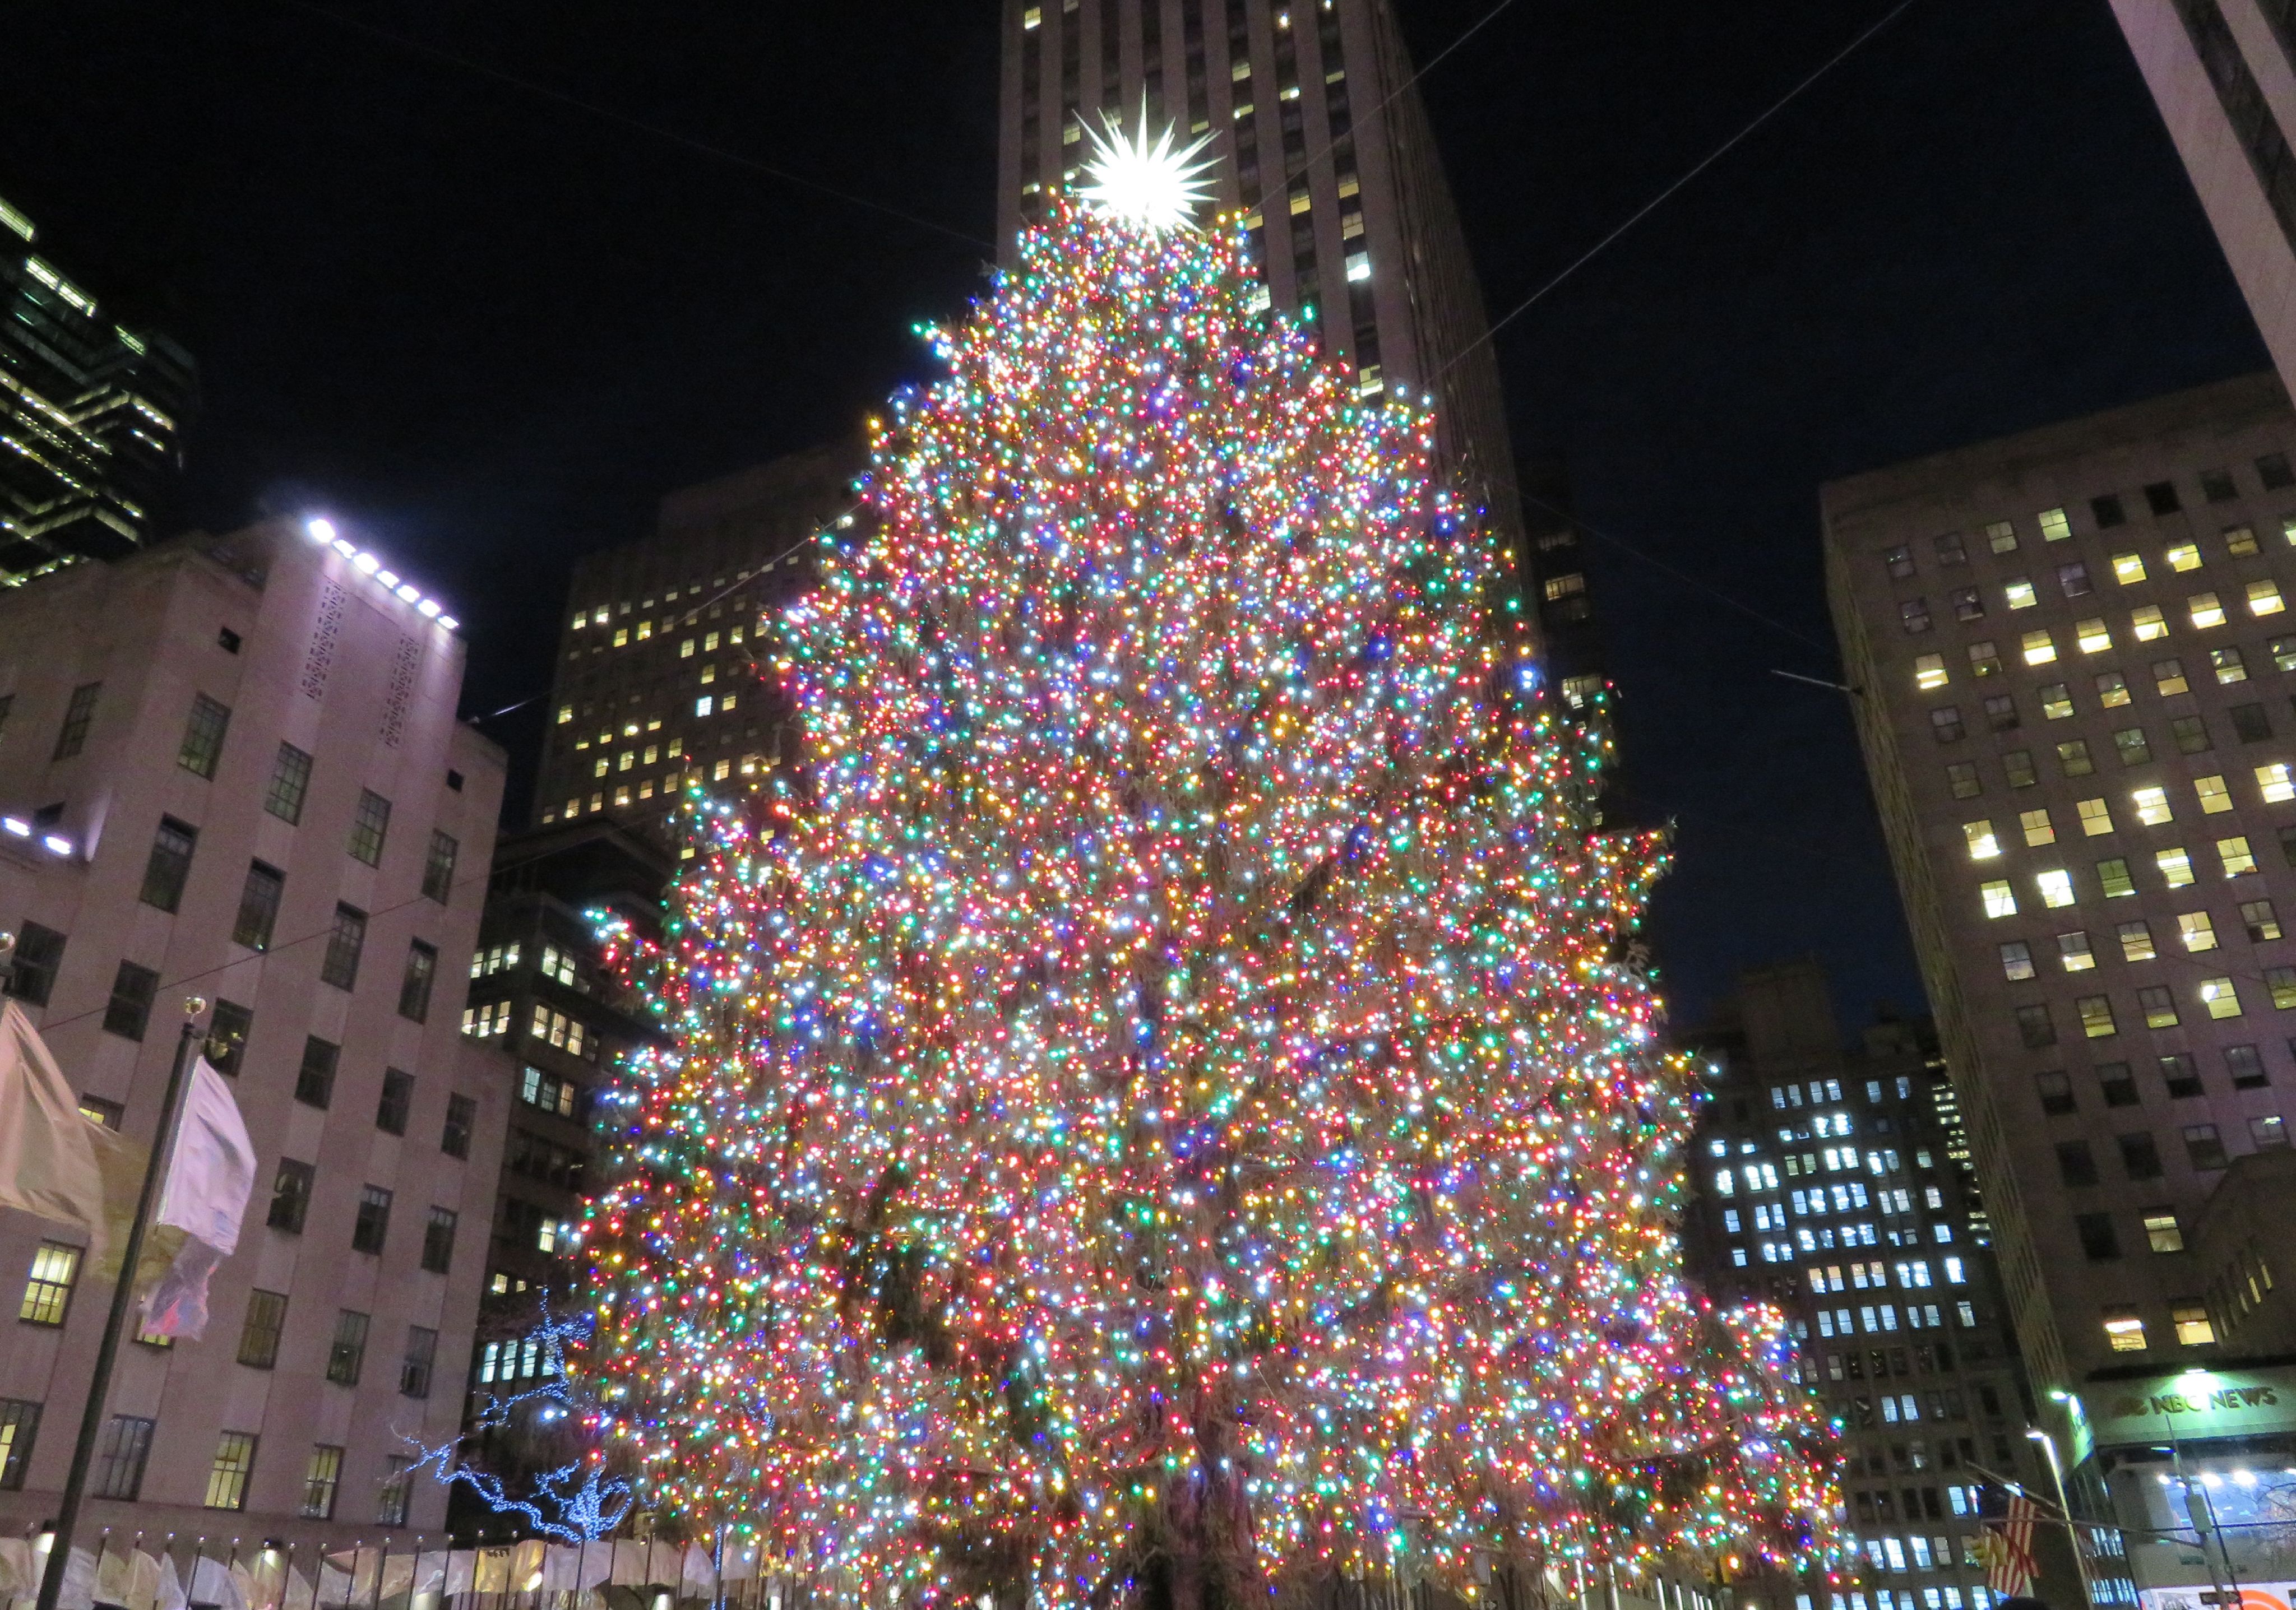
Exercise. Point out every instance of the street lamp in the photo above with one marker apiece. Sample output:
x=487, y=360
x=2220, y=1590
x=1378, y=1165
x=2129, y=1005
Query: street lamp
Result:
x=2065, y=1507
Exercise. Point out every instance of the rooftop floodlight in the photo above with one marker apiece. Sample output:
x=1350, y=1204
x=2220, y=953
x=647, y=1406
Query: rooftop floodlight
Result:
x=319, y=528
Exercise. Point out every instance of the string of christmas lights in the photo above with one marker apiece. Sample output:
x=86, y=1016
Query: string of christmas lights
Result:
x=1165, y=1093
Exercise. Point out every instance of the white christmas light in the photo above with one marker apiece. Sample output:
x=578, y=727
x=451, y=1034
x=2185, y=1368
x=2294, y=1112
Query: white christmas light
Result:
x=1149, y=186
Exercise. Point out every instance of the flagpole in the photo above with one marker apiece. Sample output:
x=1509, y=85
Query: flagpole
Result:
x=123, y=1290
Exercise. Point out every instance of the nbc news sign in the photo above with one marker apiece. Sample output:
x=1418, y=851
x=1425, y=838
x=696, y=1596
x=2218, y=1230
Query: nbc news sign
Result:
x=2195, y=1404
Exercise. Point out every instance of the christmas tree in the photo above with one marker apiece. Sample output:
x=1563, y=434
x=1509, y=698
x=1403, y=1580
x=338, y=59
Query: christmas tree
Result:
x=1164, y=1104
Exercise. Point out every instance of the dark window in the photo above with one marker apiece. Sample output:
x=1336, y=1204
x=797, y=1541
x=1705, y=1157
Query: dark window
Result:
x=462, y=1116
x=347, y=1352
x=39, y=953
x=372, y=1226
x=1962, y=778
x=130, y=1006
x=2017, y=766
x=339, y=965
x=398, y=1098
x=2180, y=1076
x=2034, y=1026
x=2161, y=497
x=2001, y=712
x=2203, y=1146
x=258, y=906
x=2133, y=748
x=20, y=1424
x=438, y=1240
x=398, y=1487
x=1950, y=549
x=2245, y=1067
x=2072, y=577
x=414, y=1372
x=1914, y=614
x=2073, y=757
x=258, y=1335
x=2273, y=470
x=78, y=715
x=227, y=640
x=291, y=783
x=2288, y=845
x=414, y=987
x=2191, y=733
x=321, y=1479
x=2075, y=1163
x=2097, y=1238
x=2108, y=511
x=227, y=1032
x=370, y=825
x=2215, y=485
x=203, y=736
x=2056, y=1092
x=1968, y=604
x=170, y=865
x=2140, y=1156
x=120, y=1457
x=314, y=1079
x=2116, y=1084
x=439, y=868
x=1945, y=723
x=290, y=1197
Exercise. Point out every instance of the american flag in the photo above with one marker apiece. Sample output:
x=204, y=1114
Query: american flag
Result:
x=2009, y=1556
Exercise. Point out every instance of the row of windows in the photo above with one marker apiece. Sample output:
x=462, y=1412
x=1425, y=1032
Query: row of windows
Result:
x=291, y=1188
x=601, y=615
x=2251, y=722
x=2156, y=1003
x=2139, y=1154
x=2195, y=930
x=2131, y=744
x=2038, y=647
x=2074, y=581
x=2054, y=884
x=1882, y=1318
x=2273, y=473
x=2151, y=805
x=554, y=1028
x=750, y=765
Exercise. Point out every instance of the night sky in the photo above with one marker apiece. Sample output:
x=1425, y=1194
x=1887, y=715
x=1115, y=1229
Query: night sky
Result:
x=487, y=329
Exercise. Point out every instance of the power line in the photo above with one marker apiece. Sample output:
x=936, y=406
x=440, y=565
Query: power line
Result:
x=627, y=121
x=1659, y=200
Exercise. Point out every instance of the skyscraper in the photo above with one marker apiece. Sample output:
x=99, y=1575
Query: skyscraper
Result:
x=1324, y=148
x=1835, y=1183
x=230, y=767
x=2072, y=659
x=91, y=416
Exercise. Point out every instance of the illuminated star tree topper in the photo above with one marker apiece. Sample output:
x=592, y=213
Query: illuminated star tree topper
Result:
x=1148, y=185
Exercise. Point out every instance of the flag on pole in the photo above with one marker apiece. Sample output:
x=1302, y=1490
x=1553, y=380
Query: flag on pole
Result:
x=56, y=1161
x=210, y=1175
x=2009, y=1549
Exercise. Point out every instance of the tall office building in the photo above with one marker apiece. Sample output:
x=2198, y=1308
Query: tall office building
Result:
x=231, y=767
x=1832, y=1182
x=658, y=677
x=91, y=416
x=1325, y=152
x=2073, y=657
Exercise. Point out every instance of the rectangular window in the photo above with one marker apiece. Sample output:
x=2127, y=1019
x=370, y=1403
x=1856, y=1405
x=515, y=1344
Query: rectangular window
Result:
x=203, y=736
x=2018, y=592
x=290, y=1197
x=2017, y=766
x=2261, y=920
x=79, y=714
x=2282, y=982
x=2136, y=941
x=2111, y=690
x=2276, y=784
x=398, y=1485
x=2190, y=734
x=2151, y=806
x=2034, y=1028
x=2095, y=817
x=2264, y=597
x=2040, y=647
x=1928, y=671
x=2116, y=1084
x=1984, y=659
x=2180, y=1076
x=315, y=1076
x=439, y=867
x=258, y=1333
x=345, y=940
x=2203, y=1148
x=2124, y=1330
x=258, y=906
x=2197, y=933
x=398, y=1099
x=234, y=1460
x=1961, y=776
x=170, y=864
x=2075, y=1166
x=462, y=1118
x=2162, y=1232
x=1999, y=901
x=415, y=984
x=2219, y=997
x=2127, y=568
x=119, y=1458
x=2055, y=1090
x=2016, y=960
x=1978, y=836
x=2001, y=536
x=415, y=1369
x=2236, y=856
x=2099, y=1242
x=2157, y=1005
x=323, y=1476
x=2147, y=622
x=2268, y=1132
x=2096, y=1016
x=2207, y=610
x=2073, y=758
x=2112, y=877
x=438, y=1240
x=2176, y=866
x=2057, y=886
x=373, y=1225
x=1899, y=561
x=2193, y=1328
x=290, y=783
x=2073, y=951
x=2245, y=1067
x=19, y=1424
x=1968, y=604
x=2129, y=744
x=2168, y=678
x=2093, y=636
x=39, y=954
x=2072, y=580
x=2215, y=797
x=1914, y=614
x=370, y=825
x=347, y=1351
x=47, y=1291
x=130, y=1009
x=2036, y=828
x=2139, y=1156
